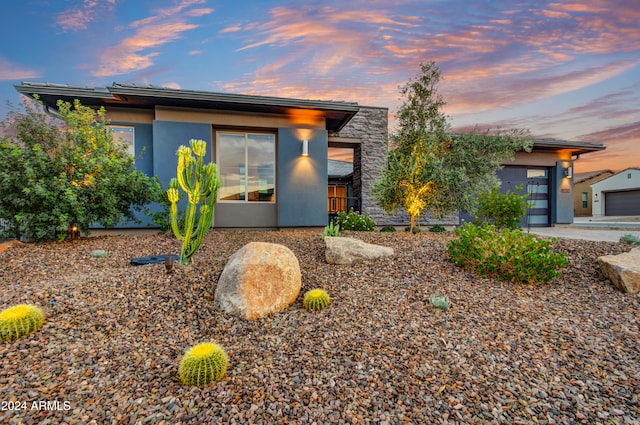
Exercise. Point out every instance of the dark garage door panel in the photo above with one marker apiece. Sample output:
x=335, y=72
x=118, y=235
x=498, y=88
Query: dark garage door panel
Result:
x=622, y=203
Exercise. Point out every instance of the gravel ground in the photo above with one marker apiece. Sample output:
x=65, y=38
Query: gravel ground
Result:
x=562, y=353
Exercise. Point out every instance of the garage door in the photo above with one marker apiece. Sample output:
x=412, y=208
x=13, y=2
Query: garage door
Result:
x=622, y=203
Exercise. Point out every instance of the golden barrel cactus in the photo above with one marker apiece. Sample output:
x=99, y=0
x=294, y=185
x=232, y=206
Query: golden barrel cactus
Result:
x=202, y=364
x=20, y=320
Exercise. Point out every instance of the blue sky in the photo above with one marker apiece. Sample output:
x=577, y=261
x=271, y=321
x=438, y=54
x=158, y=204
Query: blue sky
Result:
x=563, y=69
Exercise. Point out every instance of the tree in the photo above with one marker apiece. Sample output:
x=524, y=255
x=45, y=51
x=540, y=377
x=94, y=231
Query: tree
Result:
x=431, y=169
x=59, y=175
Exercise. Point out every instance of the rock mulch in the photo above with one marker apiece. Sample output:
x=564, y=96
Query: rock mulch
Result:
x=562, y=353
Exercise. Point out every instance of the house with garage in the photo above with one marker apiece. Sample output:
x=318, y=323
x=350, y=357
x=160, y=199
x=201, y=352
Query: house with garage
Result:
x=582, y=193
x=276, y=156
x=618, y=194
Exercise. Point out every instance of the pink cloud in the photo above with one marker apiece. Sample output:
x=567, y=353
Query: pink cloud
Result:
x=80, y=18
x=137, y=52
x=13, y=71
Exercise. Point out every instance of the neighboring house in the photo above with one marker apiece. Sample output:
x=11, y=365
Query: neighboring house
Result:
x=272, y=153
x=617, y=195
x=582, y=194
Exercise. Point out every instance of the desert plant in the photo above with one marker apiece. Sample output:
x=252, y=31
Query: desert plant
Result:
x=509, y=254
x=99, y=253
x=316, y=299
x=202, y=364
x=388, y=229
x=416, y=229
x=630, y=239
x=20, y=320
x=503, y=210
x=332, y=230
x=440, y=301
x=201, y=183
x=437, y=229
x=355, y=221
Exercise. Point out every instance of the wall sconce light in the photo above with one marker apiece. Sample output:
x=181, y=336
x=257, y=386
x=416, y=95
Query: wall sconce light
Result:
x=305, y=147
x=568, y=172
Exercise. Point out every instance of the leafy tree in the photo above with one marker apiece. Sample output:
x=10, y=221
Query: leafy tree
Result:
x=61, y=175
x=432, y=170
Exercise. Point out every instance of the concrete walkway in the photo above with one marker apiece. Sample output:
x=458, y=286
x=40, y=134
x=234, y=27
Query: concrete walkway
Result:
x=608, y=229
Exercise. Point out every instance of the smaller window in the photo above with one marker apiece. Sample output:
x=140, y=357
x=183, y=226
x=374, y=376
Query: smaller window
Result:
x=532, y=173
x=585, y=200
x=124, y=134
x=628, y=175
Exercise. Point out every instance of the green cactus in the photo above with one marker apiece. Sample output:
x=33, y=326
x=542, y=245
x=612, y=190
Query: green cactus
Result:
x=440, y=301
x=201, y=183
x=99, y=253
x=202, y=364
x=316, y=299
x=20, y=320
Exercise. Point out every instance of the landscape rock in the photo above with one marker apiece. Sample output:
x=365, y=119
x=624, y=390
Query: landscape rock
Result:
x=623, y=270
x=260, y=278
x=341, y=250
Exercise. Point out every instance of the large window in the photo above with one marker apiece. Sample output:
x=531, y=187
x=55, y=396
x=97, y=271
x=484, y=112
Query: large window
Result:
x=247, y=166
x=124, y=134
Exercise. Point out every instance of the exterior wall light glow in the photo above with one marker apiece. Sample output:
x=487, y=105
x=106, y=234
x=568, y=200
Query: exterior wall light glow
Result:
x=305, y=148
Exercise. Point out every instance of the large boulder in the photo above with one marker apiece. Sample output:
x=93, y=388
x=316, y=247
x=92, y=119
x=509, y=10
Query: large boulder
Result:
x=623, y=270
x=260, y=278
x=351, y=251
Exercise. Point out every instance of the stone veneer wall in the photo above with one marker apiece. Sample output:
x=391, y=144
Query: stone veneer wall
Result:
x=370, y=126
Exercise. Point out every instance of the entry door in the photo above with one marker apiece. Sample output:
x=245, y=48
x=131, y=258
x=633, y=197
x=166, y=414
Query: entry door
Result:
x=337, y=197
x=535, y=182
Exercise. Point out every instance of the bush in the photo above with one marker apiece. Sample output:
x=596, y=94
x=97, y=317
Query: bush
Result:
x=503, y=210
x=354, y=221
x=437, y=229
x=508, y=255
x=415, y=229
x=57, y=180
x=388, y=229
x=631, y=239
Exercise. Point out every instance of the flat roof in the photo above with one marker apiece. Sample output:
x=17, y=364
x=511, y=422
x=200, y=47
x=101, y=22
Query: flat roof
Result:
x=336, y=113
x=576, y=148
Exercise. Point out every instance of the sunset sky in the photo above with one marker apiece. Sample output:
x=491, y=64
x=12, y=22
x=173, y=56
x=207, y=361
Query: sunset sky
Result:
x=563, y=69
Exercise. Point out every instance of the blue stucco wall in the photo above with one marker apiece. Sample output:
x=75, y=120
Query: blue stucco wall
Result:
x=302, y=181
x=167, y=138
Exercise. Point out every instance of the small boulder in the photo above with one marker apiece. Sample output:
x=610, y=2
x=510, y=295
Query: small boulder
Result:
x=260, y=278
x=351, y=251
x=623, y=270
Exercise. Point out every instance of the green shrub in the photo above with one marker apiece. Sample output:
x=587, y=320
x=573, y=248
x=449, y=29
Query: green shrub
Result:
x=503, y=210
x=631, y=239
x=508, y=255
x=415, y=229
x=332, y=230
x=355, y=221
x=53, y=181
x=388, y=229
x=20, y=320
x=316, y=299
x=202, y=364
x=440, y=301
x=437, y=229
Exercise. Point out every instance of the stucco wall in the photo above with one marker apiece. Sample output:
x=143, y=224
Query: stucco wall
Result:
x=624, y=180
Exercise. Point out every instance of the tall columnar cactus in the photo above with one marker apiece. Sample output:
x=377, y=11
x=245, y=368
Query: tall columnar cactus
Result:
x=202, y=364
x=201, y=183
x=19, y=320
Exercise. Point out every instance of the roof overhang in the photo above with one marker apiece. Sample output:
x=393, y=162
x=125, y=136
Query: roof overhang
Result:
x=575, y=148
x=336, y=114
